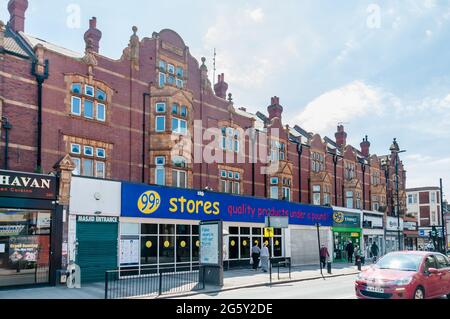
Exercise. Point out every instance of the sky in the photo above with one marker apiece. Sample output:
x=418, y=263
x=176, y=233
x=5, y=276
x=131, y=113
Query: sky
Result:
x=380, y=67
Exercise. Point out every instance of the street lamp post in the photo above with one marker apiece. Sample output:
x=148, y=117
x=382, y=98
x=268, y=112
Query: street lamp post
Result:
x=395, y=149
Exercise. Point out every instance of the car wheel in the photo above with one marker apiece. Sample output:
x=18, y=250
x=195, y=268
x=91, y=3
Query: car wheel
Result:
x=419, y=294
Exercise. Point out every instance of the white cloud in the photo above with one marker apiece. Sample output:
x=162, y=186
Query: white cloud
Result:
x=429, y=33
x=257, y=15
x=344, y=104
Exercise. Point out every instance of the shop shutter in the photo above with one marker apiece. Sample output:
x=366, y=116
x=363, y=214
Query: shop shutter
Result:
x=97, y=250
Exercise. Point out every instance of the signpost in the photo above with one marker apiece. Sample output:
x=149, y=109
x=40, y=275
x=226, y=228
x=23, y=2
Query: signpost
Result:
x=211, y=252
x=273, y=222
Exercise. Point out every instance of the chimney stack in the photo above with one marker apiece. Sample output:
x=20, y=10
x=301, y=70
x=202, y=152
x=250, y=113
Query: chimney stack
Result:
x=365, y=147
x=17, y=9
x=341, y=136
x=275, y=109
x=221, y=87
x=93, y=36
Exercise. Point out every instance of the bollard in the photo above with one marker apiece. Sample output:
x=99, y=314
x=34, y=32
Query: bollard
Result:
x=358, y=263
x=329, y=268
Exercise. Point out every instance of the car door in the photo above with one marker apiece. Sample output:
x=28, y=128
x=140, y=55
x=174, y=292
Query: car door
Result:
x=444, y=266
x=431, y=282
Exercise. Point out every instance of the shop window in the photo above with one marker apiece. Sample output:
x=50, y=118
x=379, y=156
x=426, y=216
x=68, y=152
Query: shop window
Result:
x=233, y=248
x=167, y=229
x=234, y=230
x=160, y=123
x=149, y=229
x=277, y=246
x=195, y=229
x=245, y=247
x=316, y=195
x=149, y=250
x=24, y=247
x=183, y=251
x=160, y=107
x=195, y=244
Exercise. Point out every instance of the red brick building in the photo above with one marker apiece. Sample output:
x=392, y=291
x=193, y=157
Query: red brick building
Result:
x=135, y=119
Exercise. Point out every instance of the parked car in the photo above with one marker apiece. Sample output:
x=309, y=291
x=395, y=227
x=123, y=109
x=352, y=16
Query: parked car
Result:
x=405, y=275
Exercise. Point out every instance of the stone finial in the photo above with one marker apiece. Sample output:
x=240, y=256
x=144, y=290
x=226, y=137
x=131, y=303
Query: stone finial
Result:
x=93, y=36
x=133, y=49
x=275, y=109
x=230, y=97
x=17, y=9
x=206, y=83
x=221, y=87
x=40, y=65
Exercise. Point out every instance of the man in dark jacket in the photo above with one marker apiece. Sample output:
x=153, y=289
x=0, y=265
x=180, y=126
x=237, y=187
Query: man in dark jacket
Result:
x=324, y=254
x=374, y=250
x=350, y=251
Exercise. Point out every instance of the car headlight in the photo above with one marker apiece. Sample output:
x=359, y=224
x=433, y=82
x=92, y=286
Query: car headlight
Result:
x=403, y=281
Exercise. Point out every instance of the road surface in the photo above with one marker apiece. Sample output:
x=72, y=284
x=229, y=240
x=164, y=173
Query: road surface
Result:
x=331, y=288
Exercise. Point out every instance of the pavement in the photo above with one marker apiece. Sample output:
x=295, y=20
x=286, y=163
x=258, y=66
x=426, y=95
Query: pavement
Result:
x=233, y=280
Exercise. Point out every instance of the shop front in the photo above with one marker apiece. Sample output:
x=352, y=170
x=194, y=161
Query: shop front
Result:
x=373, y=232
x=346, y=229
x=411, y=233
x=93, y=226
x=393, y=233
x=159, y=226
x=29, y=227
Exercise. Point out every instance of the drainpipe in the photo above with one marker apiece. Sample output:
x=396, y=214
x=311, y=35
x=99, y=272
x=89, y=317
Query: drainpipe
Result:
x=7, y=126
x=144, y=95
x=363, y=167
x=40, y=78
x=300, y=151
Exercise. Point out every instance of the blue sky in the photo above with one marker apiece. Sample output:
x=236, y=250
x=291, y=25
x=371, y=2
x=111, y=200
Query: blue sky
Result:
x=380, y=67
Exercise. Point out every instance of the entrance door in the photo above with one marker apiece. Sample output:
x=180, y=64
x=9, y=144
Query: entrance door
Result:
x=97, y=250
x=341, y=240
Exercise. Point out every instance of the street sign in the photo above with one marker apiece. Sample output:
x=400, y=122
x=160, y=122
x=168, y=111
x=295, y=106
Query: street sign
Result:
x=269, y=232
x=277, y=222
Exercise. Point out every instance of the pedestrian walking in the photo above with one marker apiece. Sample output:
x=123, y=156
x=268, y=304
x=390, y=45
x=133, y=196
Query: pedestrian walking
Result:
x=324, y=254
x=357, y=254
x=256, y=251
x=374, y=250
x=350, y=251
x=265, y=255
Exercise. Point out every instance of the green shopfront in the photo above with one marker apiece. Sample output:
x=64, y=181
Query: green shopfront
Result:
x=346, y=228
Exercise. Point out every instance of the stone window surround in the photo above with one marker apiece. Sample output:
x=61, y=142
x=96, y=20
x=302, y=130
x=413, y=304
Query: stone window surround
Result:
x=234, y=170
x=69, y=140
x=88, y=80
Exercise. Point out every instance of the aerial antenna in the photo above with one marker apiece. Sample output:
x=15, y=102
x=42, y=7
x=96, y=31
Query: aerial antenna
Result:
x=214, y=69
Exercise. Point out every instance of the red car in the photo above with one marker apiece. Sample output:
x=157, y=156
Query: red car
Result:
x=406, y=275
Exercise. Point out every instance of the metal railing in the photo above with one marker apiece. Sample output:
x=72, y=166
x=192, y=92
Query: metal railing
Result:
x=120, y=284
x=281, y=263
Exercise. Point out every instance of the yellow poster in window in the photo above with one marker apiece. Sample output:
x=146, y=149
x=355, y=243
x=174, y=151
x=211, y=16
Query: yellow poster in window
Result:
x=269, y=232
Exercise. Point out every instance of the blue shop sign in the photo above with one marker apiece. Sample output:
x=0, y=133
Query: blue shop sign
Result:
x=147, y=201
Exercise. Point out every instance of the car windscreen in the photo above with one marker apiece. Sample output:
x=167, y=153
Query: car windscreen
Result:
x=395, y=261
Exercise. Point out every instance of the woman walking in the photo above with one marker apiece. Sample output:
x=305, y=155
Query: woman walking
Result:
x=265, y=258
